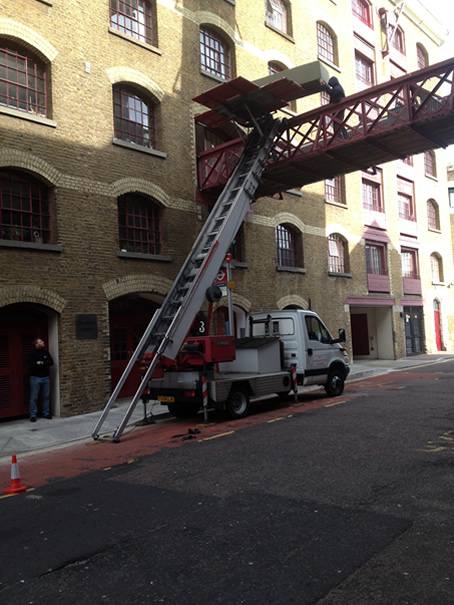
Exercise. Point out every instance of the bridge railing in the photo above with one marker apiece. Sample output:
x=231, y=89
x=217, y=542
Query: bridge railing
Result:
x=409, y=99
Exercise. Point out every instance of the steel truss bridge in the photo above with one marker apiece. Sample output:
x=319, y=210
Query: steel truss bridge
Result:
x=390, y=121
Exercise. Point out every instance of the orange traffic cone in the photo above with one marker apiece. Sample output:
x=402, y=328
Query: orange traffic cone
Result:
x=15, y=487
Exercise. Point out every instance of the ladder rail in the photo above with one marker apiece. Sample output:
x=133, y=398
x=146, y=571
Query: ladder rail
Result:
x=170, y=323
x=124, y=376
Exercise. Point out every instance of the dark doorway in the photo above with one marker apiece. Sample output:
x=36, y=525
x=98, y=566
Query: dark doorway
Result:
x=19, y=326
x=413, y=330
x=360, y=334
x=129, y=317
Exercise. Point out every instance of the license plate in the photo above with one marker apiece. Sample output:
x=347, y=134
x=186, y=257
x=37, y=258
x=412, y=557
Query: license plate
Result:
x=166, y=399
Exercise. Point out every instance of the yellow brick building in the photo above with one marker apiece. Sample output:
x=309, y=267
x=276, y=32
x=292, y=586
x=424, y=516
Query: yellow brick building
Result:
x=98, y=176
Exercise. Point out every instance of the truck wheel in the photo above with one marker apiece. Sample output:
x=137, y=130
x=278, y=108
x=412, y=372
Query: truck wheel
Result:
x=237, y=405
x=334, y=386
x=184, y=410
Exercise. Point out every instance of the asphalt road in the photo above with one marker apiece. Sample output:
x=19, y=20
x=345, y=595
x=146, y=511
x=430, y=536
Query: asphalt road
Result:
x=346, y=501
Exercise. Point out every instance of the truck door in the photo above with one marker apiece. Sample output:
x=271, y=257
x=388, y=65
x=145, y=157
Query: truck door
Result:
x=318, y=351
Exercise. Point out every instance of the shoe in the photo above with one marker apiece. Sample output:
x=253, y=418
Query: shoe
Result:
x=32, y=419
x=48, y=417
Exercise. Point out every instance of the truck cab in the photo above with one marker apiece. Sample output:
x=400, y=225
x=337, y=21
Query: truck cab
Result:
x=307, y=344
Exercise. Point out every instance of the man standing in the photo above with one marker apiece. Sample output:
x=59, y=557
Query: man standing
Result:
x=336, y=94
x=40, y=361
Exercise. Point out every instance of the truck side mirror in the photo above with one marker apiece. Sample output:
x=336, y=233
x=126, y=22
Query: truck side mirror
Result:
x=342, y=335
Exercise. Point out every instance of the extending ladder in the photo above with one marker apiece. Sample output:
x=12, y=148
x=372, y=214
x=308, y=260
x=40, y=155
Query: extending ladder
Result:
x=170, y=324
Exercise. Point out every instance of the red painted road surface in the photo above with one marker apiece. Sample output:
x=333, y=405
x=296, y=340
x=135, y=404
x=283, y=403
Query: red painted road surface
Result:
x=45, y=467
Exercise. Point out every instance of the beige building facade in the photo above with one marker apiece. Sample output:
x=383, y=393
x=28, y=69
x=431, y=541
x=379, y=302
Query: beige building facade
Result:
x=98, y=170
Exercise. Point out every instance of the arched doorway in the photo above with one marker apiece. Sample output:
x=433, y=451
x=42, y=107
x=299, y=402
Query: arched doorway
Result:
x=19, y=326
x=128, y=318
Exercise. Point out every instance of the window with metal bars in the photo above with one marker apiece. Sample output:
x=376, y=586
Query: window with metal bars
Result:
x=133, y=18
x=287, y=246
x=410, y=264
x=277, y=14
x=376, y=259
x=429, y=163
x=22, y=80
x=334, y=190
x=139, y=224
x=433, y=219
x=371, y=196
x=406, y=206
x=361, y=10
x=436, y=268
x=24, y=208
x=325, y=43
x=421, y=57
x=134, y=117
x=336, y=254
x=214, y=54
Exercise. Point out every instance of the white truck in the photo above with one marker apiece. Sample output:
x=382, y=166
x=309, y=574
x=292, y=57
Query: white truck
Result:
x=281, y=350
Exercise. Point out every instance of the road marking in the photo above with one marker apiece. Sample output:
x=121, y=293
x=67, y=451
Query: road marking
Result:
x=275, y=420
x=330, y=405
x=216, y=436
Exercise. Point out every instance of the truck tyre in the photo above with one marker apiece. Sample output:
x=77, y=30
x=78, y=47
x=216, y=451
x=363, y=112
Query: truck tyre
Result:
x=237, y=405
x=184, y=410
x=334, y=386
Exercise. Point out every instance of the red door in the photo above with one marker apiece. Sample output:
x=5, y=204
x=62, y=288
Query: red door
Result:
x=15, y=345
x=128, y=321
x=360, y=334
x=437, y=325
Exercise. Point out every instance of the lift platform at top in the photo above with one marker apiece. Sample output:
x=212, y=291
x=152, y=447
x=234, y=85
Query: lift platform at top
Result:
x=390, y=121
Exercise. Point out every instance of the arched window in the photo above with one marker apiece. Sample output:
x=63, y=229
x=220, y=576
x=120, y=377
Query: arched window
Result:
x=214, y=54
x=134, y=117
x=397, y=41
x=433, y=216
x=436, y=266
x=288, y=246
x=133, y=18
x=275, y=68
x=25, y=214
x=430, y=166
x=336, y=254
x=361, y=10
x=277, y=14
x=422, y=56
x=139, y=224
x=326, y=44
x=23, y=83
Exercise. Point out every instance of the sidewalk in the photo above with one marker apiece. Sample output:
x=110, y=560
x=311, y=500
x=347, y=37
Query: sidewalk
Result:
x=22, y=437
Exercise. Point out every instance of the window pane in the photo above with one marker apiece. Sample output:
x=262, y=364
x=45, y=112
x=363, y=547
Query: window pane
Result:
x=133, y=18
x=22, y=70
x=29, y=200
x=139, y=225
x=134, y=119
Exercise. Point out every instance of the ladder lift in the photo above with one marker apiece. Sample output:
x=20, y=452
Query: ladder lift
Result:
x=170, y=324
x=269, y=144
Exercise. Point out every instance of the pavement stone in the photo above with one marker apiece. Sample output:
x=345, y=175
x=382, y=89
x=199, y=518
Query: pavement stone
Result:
x=22, y=437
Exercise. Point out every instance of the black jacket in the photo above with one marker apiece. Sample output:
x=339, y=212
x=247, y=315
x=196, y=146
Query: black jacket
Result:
x=334, y=89
x=40, y=371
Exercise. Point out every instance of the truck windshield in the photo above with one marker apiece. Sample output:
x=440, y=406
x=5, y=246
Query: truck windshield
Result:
x=316, y=330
